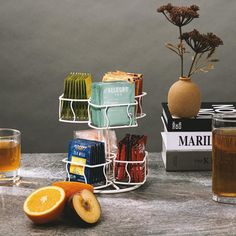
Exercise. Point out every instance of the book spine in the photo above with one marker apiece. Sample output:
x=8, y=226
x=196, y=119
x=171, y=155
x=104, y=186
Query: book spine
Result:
x=190, y=125
x=165, y=121
x=187, y=141
x=203, y=120
x=187, y=161
x=175, y=125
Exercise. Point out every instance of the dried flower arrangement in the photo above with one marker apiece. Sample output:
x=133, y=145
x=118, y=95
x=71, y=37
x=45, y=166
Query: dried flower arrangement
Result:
x=199, y=43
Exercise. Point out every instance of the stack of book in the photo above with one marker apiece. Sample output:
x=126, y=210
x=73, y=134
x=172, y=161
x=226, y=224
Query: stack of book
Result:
x=187, y=143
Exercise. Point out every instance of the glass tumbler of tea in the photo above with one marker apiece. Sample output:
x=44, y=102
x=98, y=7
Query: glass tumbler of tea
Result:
x=224, y=158
x=10, y=154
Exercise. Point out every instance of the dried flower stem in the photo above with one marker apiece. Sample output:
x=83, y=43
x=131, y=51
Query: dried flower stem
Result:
x=204, y=66
x=181, y=52
x=193, y=62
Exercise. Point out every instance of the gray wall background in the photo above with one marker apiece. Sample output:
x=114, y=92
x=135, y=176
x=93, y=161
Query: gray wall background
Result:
x=41, y=41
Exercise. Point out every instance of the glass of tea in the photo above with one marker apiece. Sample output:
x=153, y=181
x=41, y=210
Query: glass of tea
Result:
x=224, y=158
x=10, y=153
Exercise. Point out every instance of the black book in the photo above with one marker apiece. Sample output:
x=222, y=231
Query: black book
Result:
x=202, y=122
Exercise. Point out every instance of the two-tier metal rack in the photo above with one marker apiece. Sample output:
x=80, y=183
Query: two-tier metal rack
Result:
x=110, y=185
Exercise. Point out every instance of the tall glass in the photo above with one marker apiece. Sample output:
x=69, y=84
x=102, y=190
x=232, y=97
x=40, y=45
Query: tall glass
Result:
x=224, y=158
x=10, y=153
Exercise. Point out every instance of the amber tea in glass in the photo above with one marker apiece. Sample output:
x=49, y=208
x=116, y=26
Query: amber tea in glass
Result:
x=224, y=158
x=10, y=153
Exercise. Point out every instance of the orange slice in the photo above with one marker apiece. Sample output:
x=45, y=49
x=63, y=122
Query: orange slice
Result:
x=45, y=204
x=71, y=188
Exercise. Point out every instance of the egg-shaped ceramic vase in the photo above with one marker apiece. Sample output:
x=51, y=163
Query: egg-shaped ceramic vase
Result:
x=184, y=98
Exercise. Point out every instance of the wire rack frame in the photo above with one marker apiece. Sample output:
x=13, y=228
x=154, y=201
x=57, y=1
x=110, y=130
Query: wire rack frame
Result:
x=72, y=101
x=107, y=107
x=126, y=163
x=61, y=100
x=139, y=98
x=110, y=182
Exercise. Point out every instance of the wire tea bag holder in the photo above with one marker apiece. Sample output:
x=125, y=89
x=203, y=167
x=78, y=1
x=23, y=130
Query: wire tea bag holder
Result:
x=110, y=184
x=106, y=109
x=139, y=99
x=83, y=166
x=71, y=102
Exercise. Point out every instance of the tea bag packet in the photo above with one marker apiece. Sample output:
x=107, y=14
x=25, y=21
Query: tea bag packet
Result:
x=87, y=82
x=88, y=85
x=78, y=153
x=135, y=78
x=93, y=134
x=66, y=110
x=84, y=104
x=84, y=87
x=112, y=93
x=86, y=152
x=101, y=159
x=77, y=105
x=76, y=86
x=122, y=155
x=138, y=154
x=80, y=107
x=131, y=148
x=95, y=99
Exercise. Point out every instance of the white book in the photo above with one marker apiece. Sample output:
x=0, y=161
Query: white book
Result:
x=198, y=160
x=187, y=141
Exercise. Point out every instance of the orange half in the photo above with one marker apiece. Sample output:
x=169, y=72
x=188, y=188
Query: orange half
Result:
x=71, y=188
x=45, y=204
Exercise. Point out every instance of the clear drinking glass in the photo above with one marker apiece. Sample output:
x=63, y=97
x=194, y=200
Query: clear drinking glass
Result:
x=10, y=154
x=224, y=158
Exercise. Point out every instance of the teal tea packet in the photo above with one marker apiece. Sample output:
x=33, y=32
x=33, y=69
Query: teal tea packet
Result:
x=113, y=93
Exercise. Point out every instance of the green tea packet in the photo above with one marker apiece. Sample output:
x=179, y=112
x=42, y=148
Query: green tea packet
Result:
x=76, y=86
x=113, y=93
x=65, y=112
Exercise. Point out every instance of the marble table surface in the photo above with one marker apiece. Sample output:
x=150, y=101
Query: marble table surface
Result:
x=170, y=203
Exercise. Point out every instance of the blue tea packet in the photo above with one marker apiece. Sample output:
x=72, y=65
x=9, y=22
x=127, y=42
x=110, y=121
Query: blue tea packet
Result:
x=86, y=152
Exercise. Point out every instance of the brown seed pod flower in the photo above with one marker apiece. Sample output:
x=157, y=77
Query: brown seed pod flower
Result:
x=201, y=43
x=179, y=16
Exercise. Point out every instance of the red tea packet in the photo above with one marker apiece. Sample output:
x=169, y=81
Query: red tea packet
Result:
x=131, y=148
